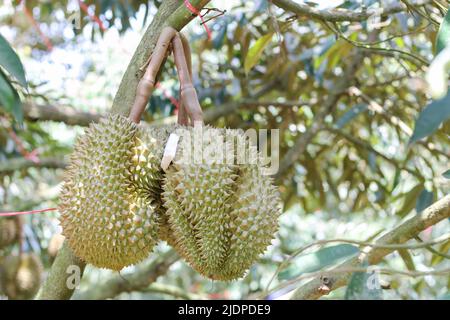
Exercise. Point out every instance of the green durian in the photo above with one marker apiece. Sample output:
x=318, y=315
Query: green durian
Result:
x=107, y=219
x=147, y=172
x=221, y=214
x=21, y=276
x=8, y=232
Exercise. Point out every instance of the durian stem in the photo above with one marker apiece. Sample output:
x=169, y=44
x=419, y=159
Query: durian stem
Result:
x=147, y=83
x=171, y=13
x=188, y=93
x=182, y=114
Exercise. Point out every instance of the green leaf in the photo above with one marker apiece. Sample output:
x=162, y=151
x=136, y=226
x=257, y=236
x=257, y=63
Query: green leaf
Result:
x=445, y=296
x=318, y=260
x=424, y=200
x=443, y=36
x=446, y=174
x=220, y=37
x=364, y=286
x=350, y=114
x=429, y=120
x=410, y=200
x=9, y=98
x=255, y=51
x=407, y=259
x=11, y=62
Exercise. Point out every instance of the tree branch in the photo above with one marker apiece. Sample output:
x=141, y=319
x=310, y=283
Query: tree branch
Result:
x=170, y=13
x=437, y=212
x=363, y=144
x=70, y=116
x=173, y=291
x=14, y=164
x=213, y=114
x=56, y=285
x=336, y=15
x=139, y=280
x=304, y=139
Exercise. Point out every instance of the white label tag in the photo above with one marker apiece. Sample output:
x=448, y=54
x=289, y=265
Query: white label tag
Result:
x=170, y=151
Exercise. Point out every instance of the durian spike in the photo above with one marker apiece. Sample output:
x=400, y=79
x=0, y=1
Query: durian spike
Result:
x=188, y=94
x=147, y=82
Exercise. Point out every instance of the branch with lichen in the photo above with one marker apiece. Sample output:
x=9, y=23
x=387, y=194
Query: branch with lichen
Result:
x=67, y=115
x=139, y=280
x=14, y=164
x=336, y=15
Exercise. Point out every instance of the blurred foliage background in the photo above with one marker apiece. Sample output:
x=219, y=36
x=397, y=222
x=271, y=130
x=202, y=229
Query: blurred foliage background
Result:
x=363, y=145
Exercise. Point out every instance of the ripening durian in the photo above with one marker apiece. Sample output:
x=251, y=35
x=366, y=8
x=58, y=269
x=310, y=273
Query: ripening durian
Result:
x=222, y=214
x=8, y=232
x=21, y=276
x=105, y=218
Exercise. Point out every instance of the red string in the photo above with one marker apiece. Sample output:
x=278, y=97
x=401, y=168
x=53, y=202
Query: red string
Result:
x=46, y=40
x=194, y=10
x=10, y=214
x=32, y=156
x=84, y=7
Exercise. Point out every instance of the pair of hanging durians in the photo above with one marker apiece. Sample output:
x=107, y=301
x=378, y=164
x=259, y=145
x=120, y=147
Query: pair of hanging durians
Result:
x=117, y=201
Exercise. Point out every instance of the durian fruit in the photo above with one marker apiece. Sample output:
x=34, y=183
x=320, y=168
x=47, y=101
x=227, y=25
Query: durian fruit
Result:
x=148, y=150
x=148, y=175
x=106, y=220
x=221, y=214
x=21, y=276
x=8, y=232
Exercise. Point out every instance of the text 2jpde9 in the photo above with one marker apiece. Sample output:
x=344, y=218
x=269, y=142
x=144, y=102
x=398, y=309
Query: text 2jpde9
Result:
x=225, y=309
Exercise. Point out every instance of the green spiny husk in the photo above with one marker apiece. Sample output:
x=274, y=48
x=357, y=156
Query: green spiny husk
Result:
x=21, y=276
x=106, y=220
x=221, y=215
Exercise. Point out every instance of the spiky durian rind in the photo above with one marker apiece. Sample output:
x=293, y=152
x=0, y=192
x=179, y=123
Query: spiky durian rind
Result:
x=106, y=222
x=221, y=215
x=8, y=232
x=147, y=174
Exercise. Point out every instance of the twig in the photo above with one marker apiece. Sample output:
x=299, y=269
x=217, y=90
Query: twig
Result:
x=368, y=147
x=432, y=250
x=304, y=139
x=342, y=14
x=173, y=291
x=330, y=273
x=370, y=46
x=361, y=243
x=435, y=213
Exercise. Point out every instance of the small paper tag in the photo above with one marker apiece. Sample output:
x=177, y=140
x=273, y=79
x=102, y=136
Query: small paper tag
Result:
x=169, y=151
